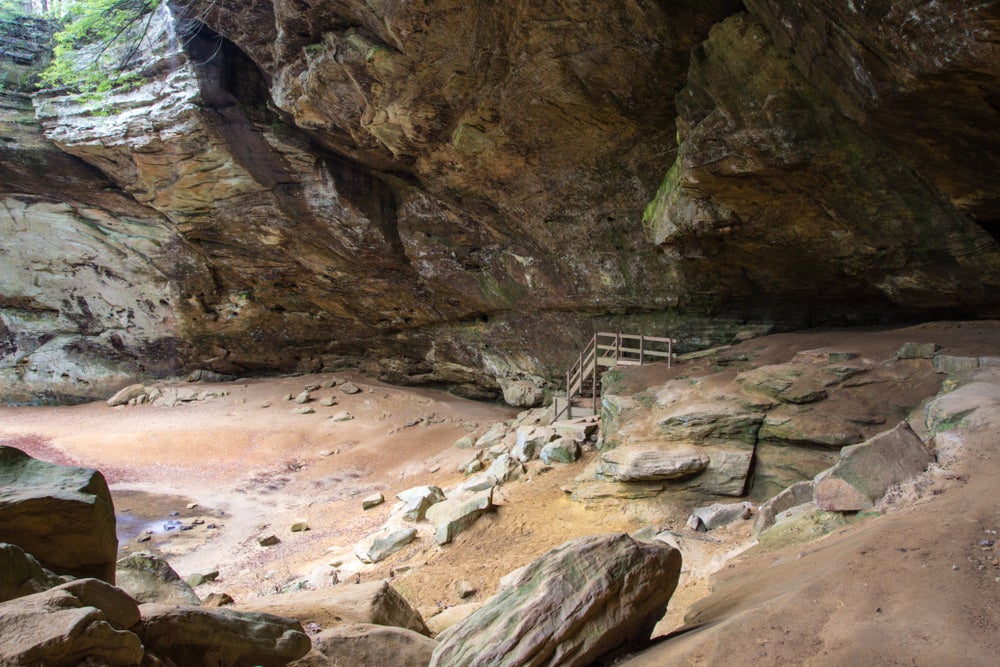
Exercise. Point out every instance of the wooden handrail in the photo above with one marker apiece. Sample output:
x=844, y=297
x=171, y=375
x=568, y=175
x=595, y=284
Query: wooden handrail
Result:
x=590, y=358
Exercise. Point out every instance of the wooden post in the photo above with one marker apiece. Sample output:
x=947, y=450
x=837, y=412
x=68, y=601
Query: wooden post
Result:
x=594, y=392
x=670, y=352
x=642, y=349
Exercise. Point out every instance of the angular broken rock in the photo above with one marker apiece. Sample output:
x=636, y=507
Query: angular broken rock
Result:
x=149, y=578
x=454, y=516
x=793, y=496
x=496, y=433
x=127, y=394
x=77, y=536
x=866, y=471
x=198, y=637
x=303, y=397
x=530, y=440
x=917, y=351
x=350, y=388
x=650, y=462
x=85, y=621
x=579, y=430
x=379, y=546
x=418, y=499
x=368, y=644
x=719, y=514
x=569, y=607
x=372, y=501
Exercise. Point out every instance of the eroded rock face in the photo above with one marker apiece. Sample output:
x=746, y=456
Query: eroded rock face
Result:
x=453, y=192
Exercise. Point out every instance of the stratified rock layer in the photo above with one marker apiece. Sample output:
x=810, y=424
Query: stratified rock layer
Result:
x=454, y=193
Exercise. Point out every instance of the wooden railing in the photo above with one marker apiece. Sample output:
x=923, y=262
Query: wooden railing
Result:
x=608, y=350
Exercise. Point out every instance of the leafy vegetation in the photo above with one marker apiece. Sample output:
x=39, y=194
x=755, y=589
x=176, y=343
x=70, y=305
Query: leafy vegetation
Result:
x=96, y=47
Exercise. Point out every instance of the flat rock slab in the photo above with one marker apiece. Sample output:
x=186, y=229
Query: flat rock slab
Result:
x=569, y=607
x=456, y=515
x=788, y=383
x=866, y=471
x=371, y=602
x=717, y=515
x=796, y=494
x=366, y=644
x=379, y=546
x=418, y=499
x=62, y=516
x=199, y=637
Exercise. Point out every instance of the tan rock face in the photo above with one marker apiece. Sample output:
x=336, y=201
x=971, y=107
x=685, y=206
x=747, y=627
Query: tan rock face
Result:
x=453, y=192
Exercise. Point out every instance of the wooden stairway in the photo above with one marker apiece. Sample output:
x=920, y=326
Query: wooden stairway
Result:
x=604, y=351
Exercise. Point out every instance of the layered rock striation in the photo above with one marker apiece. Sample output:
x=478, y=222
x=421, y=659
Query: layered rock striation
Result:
x=454, y=193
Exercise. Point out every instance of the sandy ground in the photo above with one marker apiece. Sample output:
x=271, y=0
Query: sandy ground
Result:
x=229, y=469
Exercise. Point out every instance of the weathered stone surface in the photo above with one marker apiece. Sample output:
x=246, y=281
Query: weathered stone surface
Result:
x=580, y=430
x=866, y=471
x=788, y=383
x=456, y=515
x=596, y=491
x=66, y=625
x=563, y=450
x=62, y=516
x=493, y=436
x=530, y=440
x=371, y=501
x=809, y=428
x=366, y=644
x=20, y=574
x=381, y=545
x=149, y=578
x=652, y=461
x=946, y=363
x=350, y=388
x=958, y=409
x=717, y=515
x=129, y=393
x=917, y=351
x=796, y=494
x=570, y=606
x=221, y=637
x=374, y=602
x=451, y=616
x=719, y=420
x=417, y=500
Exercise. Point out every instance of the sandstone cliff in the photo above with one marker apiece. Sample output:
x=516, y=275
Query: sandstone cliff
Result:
x=457, y=193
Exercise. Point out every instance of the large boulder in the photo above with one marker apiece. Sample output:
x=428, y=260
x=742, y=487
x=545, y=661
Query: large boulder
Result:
x=62, y=516
x=866, y=471
x=85, y=621
x=570, y=606
x=374, y=602
x=20, y=574
x=797, y=494
x=149, y=578
x=365, y=644
x=198, y=637
x=417, y=499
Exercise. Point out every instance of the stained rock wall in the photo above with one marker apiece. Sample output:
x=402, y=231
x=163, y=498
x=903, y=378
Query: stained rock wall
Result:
x=453, y=193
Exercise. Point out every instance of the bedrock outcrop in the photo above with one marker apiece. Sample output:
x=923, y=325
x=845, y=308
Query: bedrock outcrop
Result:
x=454, y=193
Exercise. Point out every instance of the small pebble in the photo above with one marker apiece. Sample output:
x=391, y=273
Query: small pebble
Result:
x=986, y=543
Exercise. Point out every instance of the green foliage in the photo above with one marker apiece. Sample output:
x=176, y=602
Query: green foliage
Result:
x=99, y=40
